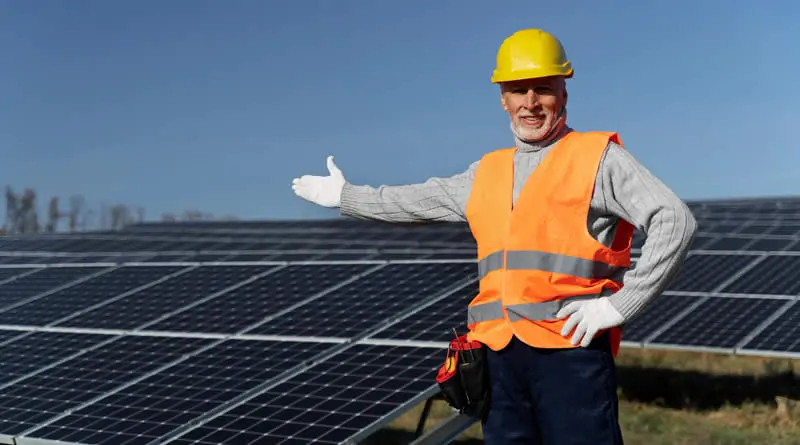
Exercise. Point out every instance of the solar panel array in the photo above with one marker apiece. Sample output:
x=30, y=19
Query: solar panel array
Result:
x=311, y=331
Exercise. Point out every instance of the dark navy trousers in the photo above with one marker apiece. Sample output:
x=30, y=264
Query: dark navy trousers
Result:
x=552, y=396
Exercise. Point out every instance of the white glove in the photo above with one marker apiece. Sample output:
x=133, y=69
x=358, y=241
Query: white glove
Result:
x=322, y=190
x=588, y=317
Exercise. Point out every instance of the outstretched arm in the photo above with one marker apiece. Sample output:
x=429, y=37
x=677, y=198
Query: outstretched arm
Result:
x=435, y=200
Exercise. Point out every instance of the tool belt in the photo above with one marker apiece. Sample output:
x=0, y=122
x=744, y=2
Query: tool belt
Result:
x=463, y=378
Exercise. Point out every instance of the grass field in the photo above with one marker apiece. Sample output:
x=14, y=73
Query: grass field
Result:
x=680, y=398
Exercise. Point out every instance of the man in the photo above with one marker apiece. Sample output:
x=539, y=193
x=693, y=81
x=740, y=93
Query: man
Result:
x=553, y=219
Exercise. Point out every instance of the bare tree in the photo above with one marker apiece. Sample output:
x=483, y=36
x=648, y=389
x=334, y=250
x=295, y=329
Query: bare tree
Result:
x=12, y=211
x=53, y=215
x=22, y=215
x=78, y=213
x=25, y=216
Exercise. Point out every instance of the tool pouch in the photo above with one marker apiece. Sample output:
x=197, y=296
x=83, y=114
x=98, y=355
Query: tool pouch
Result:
x=463, y=379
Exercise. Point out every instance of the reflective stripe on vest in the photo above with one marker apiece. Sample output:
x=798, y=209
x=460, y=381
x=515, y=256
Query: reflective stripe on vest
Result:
x=545, y=261
x=524, y=311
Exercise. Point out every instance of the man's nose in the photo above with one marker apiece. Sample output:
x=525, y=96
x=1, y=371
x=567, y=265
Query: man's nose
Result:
x=531, y=99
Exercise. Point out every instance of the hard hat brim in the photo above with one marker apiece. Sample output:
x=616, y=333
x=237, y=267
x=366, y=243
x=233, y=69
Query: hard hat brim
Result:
x=534, y=73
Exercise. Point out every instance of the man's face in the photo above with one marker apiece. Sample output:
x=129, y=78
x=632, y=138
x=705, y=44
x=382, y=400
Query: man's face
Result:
x=534, y=105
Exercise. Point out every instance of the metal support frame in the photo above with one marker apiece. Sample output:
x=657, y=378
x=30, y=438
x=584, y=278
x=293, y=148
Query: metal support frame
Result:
x=446, y=431
x=423, y=417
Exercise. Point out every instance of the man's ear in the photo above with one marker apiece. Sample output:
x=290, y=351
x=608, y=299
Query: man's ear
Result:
x=503, y=101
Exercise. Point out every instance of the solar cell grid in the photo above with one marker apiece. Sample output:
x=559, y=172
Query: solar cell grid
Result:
x=18, y=260
x=704, y=273
x=265, y=296
x=782, y=334
x=700, y=241
x=170, y=399
x=728, y=243
x=774, y=275
x=11, y=272
x=756, y=229
x=153, y=302
x=42, y=281
x=209, y=257
x=342, y=256
x=167, y=258
x=38, y=398
x=295, y=256
x=84, y=295
x=785, y=229
x=369, y=301
x=436, y=322
x=8, y=336
x=663, y=309
x=329, y=403
x=452, y=256
x=770, y=244
x=247, y=257
x=720, y=322
x=394, y=256
x=38, y=349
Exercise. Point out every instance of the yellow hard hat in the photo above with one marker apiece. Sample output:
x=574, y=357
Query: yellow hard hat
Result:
x=531, y=53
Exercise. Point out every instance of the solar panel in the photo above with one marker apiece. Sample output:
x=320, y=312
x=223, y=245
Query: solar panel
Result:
x=98, y=368
x=33, y=350
x=779, y=335
x=770, y=244
x=772, y=276
x=8, y=274
x=263, y=297
x=84, y=296
x=300, y=332
x=369, y=302
x=719, y=322
x=435, y=322
x=144, y=410
x=705, y=272
x=654, y=316
x=44, y=280
x=345, y=397
x=728, y=243
x=152, y=303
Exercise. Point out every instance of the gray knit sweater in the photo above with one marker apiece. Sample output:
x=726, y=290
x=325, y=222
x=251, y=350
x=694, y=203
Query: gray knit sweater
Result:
x=624, y=189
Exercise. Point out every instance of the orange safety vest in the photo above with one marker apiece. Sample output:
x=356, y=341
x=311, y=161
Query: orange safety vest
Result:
x=537, y=254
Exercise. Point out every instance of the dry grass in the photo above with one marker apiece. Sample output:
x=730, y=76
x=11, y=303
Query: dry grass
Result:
x=680, y=398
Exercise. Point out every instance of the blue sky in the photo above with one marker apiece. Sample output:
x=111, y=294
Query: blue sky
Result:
x=217, y=105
